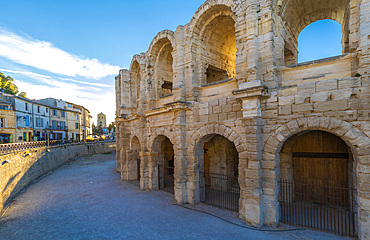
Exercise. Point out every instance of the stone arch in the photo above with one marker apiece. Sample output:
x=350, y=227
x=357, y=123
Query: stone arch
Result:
x=218, y=62
x=160, y=55
x=135, y=80
x=219, y=129
x=297, y=14
x=159, y=132
x=165, y=34
x=355, y=139
x=196, y=140
x=134, y=141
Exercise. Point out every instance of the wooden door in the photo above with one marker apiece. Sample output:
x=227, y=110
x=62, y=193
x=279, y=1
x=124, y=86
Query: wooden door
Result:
x=320, y=162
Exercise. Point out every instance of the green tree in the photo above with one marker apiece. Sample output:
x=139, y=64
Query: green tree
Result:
x=22, y=94
x=97, y=130
x=7, y=84
x=111, y=126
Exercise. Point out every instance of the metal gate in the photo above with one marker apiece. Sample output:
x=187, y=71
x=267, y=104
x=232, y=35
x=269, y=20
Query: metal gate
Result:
x=220, y=190
x=327, y=208
x=168, y=179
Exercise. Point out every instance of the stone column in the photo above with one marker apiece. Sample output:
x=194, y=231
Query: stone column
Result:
x=144, y=171
x=179, y=88
x=267, y=42
x=118, y=147
x=180, y=173
x=123, y=144
x=125, y=88
x=153, y=184
x=250, y=177
x=251, y=44
x=364, y=39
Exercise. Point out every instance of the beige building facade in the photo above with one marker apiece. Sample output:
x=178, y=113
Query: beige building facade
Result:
x=224, y=95
x=7, y=123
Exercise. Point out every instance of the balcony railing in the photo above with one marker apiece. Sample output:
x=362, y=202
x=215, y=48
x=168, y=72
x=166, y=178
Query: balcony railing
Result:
x=16, y=147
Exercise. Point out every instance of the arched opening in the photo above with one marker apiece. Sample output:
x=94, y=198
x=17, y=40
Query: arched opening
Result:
x=317, y=181
x=298, y=14
x=135, y=84
x=218, y=46
x=163, y=68
x=218, y=172
x=321, y=39
x=135, y=157
x=166, y=163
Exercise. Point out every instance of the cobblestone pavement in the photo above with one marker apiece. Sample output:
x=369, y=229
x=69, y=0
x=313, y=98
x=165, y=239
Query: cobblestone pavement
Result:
x=85, y=199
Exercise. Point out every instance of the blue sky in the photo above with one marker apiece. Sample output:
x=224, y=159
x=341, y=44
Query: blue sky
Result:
x=72, y=49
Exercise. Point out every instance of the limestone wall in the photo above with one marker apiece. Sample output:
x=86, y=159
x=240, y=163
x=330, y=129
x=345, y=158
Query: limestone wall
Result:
x=19, y=169
x=264, y=100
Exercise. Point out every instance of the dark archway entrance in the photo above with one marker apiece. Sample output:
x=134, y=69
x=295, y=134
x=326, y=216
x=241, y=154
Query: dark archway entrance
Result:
x=218, y=177
x=317, y=183
x=136, y=159
x=166, y=163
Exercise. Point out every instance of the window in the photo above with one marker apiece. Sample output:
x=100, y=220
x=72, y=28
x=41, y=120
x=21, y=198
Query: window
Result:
x=27, y=120
x=62, y=125
x=69, y=105
x=62, y=114
x=39, y=122
x=2, y=122
x=47, y=110
x=77, y=117
x=38, y=109
x=55, y=112
x=26, y=106
x=77, y=125
x=4, y=107
x=54, y=124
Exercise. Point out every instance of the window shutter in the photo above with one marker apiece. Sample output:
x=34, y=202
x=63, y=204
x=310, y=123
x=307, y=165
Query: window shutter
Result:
x=27, y=121
x=6, y=122
x=42, y=122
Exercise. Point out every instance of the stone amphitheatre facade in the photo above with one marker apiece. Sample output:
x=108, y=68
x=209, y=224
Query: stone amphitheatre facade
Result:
x=224, y=95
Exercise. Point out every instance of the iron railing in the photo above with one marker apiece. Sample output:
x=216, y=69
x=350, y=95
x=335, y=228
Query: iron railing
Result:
x=220, y=190
x=317, y=206
x=16, y=147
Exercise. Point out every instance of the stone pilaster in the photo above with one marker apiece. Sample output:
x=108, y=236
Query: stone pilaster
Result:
x=153, y=160
x=144, y=171
x=251, y=44
x=179, y=88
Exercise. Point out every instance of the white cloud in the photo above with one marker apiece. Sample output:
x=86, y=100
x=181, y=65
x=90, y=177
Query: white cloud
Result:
x=46, y=78
x=96, y=103
x=43, y=55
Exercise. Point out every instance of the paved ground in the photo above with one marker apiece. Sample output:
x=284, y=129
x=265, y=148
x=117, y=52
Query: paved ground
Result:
x=85, y=199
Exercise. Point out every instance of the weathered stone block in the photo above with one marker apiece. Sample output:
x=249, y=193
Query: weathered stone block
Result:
x=327, y=85
x=216, y=109
x=285, y=110
x=302, y=107
x=331, y=106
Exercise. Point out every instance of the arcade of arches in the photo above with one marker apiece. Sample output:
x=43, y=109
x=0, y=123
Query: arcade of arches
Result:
x=220, y=112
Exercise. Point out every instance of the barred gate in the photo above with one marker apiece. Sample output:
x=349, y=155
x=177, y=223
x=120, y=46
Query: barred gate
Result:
x=220, y=190
x=327, y=208
x=168, y=179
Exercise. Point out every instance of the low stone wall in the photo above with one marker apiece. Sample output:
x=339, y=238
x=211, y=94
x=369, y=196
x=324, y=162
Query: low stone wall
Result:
x=18, y=170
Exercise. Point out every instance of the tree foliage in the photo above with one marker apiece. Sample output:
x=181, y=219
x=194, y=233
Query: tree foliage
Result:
x=111, y=126
x=97, y=130
x=7, y=84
